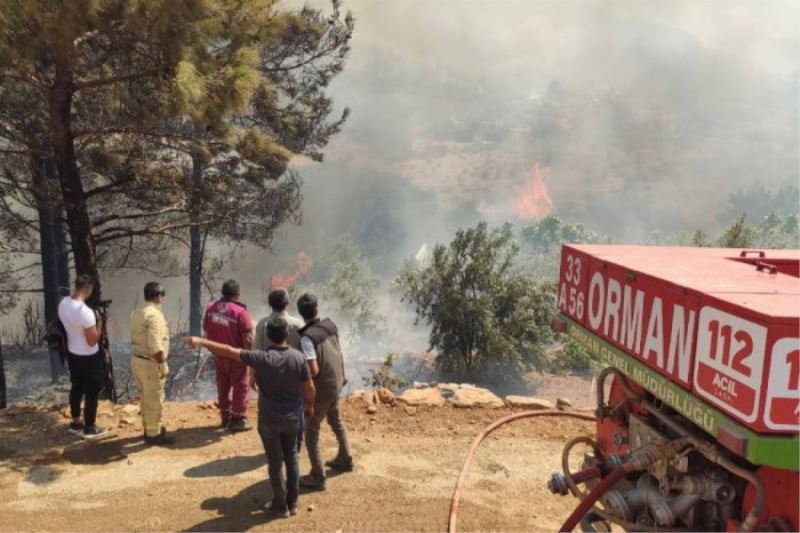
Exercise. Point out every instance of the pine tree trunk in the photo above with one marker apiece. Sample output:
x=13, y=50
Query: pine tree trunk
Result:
x=50, y=281
x=48, y=222
x=59, y=238
x=2, y=379
x=80, y=229
x=62, y=258
x=196, y=258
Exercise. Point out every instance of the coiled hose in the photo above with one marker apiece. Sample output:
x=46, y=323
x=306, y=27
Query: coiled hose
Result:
x=482, y=435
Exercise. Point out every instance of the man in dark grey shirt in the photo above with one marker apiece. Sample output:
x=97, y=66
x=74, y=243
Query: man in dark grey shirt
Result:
x=283, y=382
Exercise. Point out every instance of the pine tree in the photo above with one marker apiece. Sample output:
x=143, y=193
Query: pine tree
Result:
x=167, y=118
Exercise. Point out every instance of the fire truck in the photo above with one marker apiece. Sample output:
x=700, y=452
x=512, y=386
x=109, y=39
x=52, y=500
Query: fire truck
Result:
x=698, y=407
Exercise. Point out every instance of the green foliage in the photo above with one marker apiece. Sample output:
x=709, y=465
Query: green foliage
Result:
x=738, y=234
x=775, y=231
x=573, y=357
x=384, y=377
x=551, y=232
x=540, y=245
x=487, y=319
x=700, y=238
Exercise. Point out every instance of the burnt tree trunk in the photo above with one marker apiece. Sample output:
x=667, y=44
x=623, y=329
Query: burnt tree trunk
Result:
x=62, y=257
x=196, y=254
x=59, y=238
x=49, y=224
x=84, y=251
x=2, y=379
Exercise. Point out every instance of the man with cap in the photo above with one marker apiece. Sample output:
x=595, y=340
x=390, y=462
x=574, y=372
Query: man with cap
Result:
x=227, y=321
x=150, y=339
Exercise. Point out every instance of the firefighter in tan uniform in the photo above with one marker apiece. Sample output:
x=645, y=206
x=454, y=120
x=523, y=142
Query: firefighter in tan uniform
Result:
x=150, y=338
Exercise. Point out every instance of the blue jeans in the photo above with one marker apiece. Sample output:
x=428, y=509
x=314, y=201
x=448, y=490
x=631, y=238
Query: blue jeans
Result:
x=280, y=443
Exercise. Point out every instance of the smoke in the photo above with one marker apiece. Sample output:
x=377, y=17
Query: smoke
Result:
x=647, y=114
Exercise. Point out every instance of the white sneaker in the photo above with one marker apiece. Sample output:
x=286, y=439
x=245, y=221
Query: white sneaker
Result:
x=94, y=432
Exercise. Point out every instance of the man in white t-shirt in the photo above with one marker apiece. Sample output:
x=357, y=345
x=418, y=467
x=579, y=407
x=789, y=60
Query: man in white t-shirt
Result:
x=83, y=327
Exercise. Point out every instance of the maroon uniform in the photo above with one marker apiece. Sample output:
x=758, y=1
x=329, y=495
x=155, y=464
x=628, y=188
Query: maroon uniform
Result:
x=228, y=322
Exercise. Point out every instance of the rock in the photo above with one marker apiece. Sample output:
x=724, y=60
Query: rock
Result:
x=372, y=409
x=385, y=396
x=420, y=385
x=428, y=397
x=563, y=403
x=310, y=507
x=358, y=394
x=447, y=389
x=66, y=412
x=127, y=421
x=129, y=409
x=410, y=411
x=476, y=397
x=467, y=386
x=528, y=402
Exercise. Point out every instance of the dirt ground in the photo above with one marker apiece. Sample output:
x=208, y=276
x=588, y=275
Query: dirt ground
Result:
x=406, y=466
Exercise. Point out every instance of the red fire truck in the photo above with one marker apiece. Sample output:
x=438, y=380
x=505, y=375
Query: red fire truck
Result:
x=698, y=410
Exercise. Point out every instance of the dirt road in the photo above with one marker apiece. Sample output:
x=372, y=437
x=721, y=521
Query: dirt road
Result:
x=212, y=481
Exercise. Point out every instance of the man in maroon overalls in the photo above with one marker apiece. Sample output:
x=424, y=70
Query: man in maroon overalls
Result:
x=227, y=321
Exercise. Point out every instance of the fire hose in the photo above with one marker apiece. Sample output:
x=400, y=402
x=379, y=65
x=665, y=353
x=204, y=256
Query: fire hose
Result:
x=486, y=431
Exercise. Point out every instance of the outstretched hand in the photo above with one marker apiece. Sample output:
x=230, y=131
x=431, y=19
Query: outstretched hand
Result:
x=192, y=342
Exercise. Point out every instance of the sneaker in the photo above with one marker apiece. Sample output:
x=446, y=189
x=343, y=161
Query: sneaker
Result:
x=161, y=440
x=94, y=432
x=224, y=424
x=293, y=509
x=342, y=465
x=312, y=483
x=276, y=512
x=238, y=425
x=75, y=429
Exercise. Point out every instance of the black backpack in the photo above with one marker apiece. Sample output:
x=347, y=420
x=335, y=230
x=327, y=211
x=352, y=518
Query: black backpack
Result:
x=56, y=339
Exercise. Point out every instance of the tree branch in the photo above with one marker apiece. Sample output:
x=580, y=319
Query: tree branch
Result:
x=113, y=218
x=89, y=84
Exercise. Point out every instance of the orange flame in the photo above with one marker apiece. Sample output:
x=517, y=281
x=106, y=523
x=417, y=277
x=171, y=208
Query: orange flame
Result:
x=285, y=281
x=534, y=201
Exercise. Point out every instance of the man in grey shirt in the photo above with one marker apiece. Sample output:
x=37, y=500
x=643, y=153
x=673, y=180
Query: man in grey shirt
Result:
x=283, y=381
x=278, y=300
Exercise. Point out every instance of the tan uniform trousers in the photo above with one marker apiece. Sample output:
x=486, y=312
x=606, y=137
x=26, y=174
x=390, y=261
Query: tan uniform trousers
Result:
x=151, y=393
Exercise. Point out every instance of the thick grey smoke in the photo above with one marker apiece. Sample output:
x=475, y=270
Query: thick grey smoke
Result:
x=647, y=114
